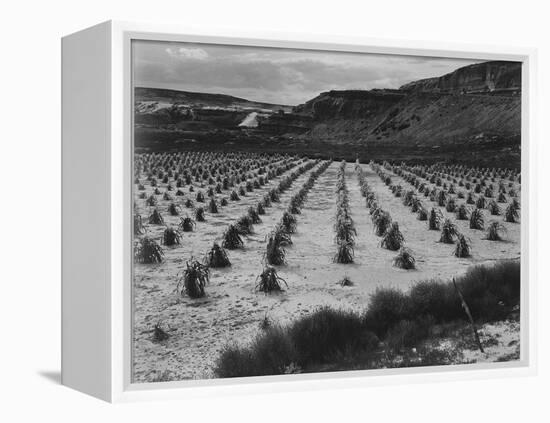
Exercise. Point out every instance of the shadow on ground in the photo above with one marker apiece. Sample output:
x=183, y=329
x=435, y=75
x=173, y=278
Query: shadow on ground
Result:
x=53, y=376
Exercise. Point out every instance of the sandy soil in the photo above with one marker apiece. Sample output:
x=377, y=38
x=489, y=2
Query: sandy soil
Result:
x=232, y=310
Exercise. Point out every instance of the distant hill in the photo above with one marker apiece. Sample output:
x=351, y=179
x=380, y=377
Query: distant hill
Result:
x=194, y=99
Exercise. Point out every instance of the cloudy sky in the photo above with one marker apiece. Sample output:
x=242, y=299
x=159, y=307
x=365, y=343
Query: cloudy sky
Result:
x=280, y=76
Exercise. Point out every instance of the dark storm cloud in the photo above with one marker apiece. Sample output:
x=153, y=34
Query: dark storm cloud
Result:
x=275, y=75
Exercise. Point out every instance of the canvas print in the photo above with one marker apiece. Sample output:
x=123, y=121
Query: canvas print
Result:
x=307, y=211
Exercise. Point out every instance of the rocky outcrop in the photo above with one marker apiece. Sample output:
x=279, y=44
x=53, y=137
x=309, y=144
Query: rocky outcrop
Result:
x=497, y=77
x=349, y=104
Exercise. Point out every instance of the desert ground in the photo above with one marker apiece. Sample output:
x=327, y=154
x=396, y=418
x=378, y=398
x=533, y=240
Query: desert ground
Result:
x=233, y=310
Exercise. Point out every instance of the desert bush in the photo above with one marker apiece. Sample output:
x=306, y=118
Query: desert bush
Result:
x=386, y=307
x=451, y=205
x=146, y=250
x=462, y=247
x=294, y=206
x=138, y=225
x=416, y=205
x=260, y=209
x=408, y=198
x=470, y=199
x=404, y=259
x=156, y=218
x=275, y=252
x=345, y=281
x=224, y=202
x=382, y=222
x=462, y=212
x=409, y=333
x=477, y=221
x=271, y=353
x=481, y=202
x=186, y=224
x=166, y=196
x=345, y=253
x=422, y=214
x=189, y=203
x=283, y=237
x=491, y=291
x=232, y=239
x=511, y=214
x=179, y=193
x=434, y=298
x=242, y=191
x=495, y=231
x=199, y=214
x=244, y=225
x=200, y=197
x=274, y=195
x=173, y=209
x=441, y=198
x=194, y=279
x=329, y=334
x=254, y=216
x=234, y=196
x=393, y=238
x=288, y=222
x=217, y=257
x=212, y=205
x=448, y=232
x=434, y=219
x=269, y=281
x=151, y=201
x=493, y=208
x=171, y=237
x=159, y=334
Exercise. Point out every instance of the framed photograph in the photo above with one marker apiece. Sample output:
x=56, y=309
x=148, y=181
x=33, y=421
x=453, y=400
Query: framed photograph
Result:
x=262, y=213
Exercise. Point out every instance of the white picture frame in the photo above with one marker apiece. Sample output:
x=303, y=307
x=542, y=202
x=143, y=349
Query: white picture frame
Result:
x=97, y=257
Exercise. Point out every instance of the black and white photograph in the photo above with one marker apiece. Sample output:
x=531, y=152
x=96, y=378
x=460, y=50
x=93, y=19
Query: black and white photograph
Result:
x=310, y=211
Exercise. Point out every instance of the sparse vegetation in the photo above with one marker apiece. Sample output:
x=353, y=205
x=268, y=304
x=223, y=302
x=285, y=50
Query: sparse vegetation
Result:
x=462, y=247
x=269, y=281
x=477, y=221
x=171, y=237
x=393, y=239
x=194, y=279
x=156, y=218
x=448, y=232
x=495, y=231
x=186, y=224
x=147, y=251
x=232, y=238
x=217, y=257
x=393, y=320
x=405, y=259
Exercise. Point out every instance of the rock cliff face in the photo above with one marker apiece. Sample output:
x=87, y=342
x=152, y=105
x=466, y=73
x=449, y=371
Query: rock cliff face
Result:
x=471, y=105
x=488, y=77
x=350, y=104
